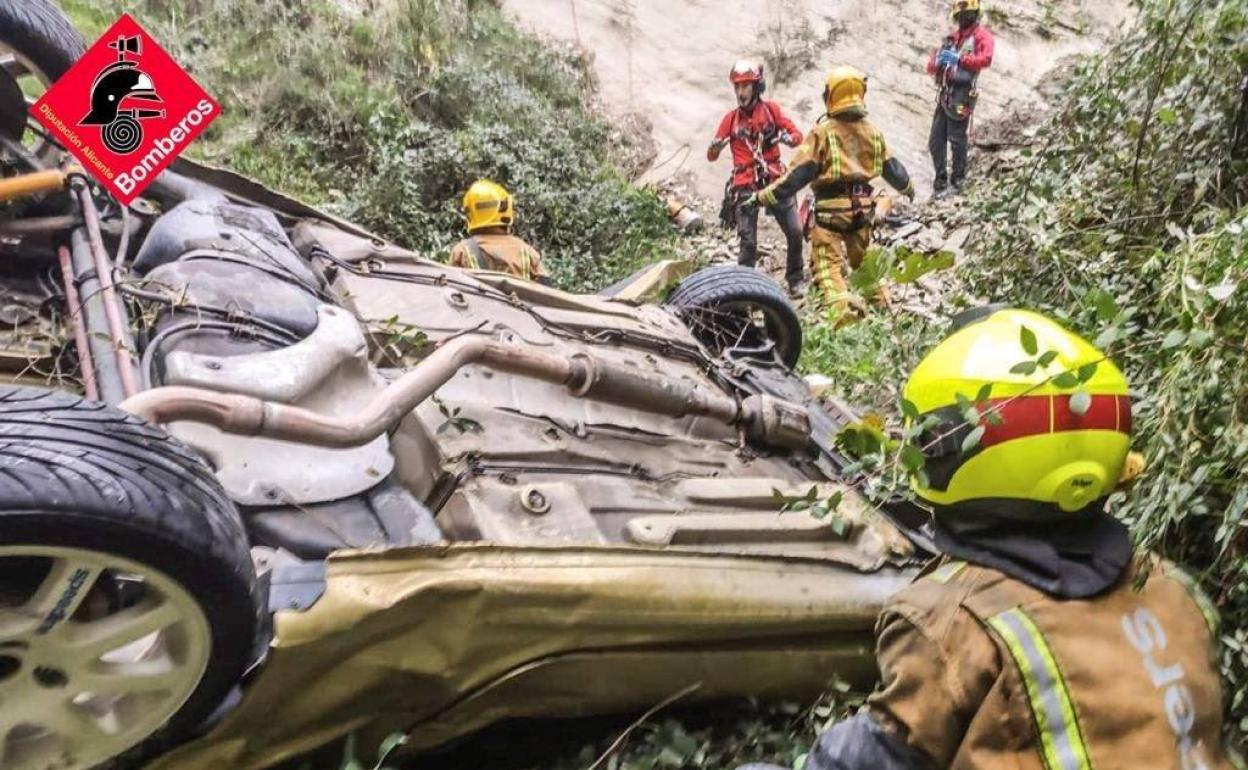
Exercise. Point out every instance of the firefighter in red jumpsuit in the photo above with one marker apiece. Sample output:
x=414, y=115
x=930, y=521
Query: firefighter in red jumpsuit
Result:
x=754, y=130
x=956, y=67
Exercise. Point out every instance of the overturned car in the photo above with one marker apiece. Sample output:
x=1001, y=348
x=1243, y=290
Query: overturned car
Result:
x=304, y=483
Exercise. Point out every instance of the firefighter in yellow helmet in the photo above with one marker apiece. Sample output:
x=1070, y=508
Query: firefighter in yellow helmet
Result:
x=1040, y=640
x=838, y=159
x=490, y=211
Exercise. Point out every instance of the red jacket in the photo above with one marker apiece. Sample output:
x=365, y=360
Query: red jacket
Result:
x=746, y=132
x=975, y=46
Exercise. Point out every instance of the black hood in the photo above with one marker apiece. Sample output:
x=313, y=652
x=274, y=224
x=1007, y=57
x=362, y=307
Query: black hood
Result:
x=1072, y=556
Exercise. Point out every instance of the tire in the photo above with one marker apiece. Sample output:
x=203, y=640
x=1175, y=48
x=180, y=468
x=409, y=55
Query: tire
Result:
x=46, y=44
x=717, y=303
x=153, y=543
x=40, y=32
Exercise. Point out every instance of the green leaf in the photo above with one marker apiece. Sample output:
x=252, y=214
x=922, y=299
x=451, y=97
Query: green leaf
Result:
x=909, y=410
x=1173, y=339
x=1167, y=115
x=1080, y=402
x=1107, y=337
x=1222, y=290
x=911, y=458
x=1087, y=371
x=1066, y=380
x=985, y=391
x=972, y=439
x=1027, y=338
x=1023, y=367
x=1200, y=339
x=1046, y=358
x=1106, y=308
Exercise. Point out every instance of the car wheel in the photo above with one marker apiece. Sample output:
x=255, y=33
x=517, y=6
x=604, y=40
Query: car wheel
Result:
x=738, y=307
x=128, y=600
x=37, y=46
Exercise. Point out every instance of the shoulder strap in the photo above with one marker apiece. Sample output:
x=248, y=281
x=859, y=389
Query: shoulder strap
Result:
x=771, y=113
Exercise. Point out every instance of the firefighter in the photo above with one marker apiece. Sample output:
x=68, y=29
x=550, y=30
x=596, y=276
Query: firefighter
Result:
x=754, y=130
x=1040, y=640
x=956, y=67
x=490, y=211
x=839, y=157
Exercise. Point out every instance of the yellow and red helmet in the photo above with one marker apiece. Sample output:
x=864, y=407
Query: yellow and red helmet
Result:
x=488, y=204
x=1053, y=446
x=958, y=6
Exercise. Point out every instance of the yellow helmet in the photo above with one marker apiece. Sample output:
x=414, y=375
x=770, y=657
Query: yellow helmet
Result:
x=958, y=6
x=845, y=89
x=488, y=204
x=1048, y=443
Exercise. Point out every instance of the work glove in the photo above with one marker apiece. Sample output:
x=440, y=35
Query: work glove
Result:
x=764, y=197
x=947, y=58
x=750, y=200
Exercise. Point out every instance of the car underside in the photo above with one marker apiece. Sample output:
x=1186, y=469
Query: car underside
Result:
x=267, y=479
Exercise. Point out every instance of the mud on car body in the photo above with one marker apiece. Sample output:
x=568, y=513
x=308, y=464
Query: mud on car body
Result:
x=267, y=479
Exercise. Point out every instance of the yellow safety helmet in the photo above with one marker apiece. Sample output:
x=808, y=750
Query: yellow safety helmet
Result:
x=844, y=90
x=958, y=6
x=488, y=204
x=1054, y=445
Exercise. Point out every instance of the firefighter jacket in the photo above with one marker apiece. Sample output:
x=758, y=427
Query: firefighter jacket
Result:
x=753, y=135
x=958, y=85
x=983, y=672
x=838, y=159
x=501, y=252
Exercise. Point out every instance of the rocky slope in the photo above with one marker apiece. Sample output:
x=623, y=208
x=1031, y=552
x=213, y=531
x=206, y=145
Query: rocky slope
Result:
x=662, y=64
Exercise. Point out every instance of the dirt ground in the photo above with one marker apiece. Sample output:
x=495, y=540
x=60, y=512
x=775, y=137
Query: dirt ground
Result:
x=667, y=62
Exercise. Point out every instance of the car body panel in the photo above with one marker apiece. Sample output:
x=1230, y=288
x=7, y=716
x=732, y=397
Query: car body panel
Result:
x=439, y=641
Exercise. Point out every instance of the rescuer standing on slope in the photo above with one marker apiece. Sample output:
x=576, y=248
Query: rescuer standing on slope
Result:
x=490, y=245
x=754, y=130
x=956, y=67
x=1041, y=640
x=838, y=159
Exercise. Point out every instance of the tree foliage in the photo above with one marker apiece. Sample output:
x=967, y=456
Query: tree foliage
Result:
x=386, y=112
x=1130, y=224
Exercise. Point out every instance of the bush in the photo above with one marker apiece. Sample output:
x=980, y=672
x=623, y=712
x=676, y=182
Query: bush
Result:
x=1130, y=224
x=387, y=116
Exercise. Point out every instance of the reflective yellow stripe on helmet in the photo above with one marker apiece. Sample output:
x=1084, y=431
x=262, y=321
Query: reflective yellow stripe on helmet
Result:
x=1061, y=742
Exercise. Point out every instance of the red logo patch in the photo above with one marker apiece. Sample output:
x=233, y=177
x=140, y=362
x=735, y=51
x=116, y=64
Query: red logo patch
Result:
x=125, y=110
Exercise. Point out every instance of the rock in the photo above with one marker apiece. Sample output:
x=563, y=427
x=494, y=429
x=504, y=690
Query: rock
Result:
x=818, y=384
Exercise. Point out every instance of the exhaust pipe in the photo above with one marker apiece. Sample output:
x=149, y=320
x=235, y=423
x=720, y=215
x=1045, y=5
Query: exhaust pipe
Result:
x=761, y=418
